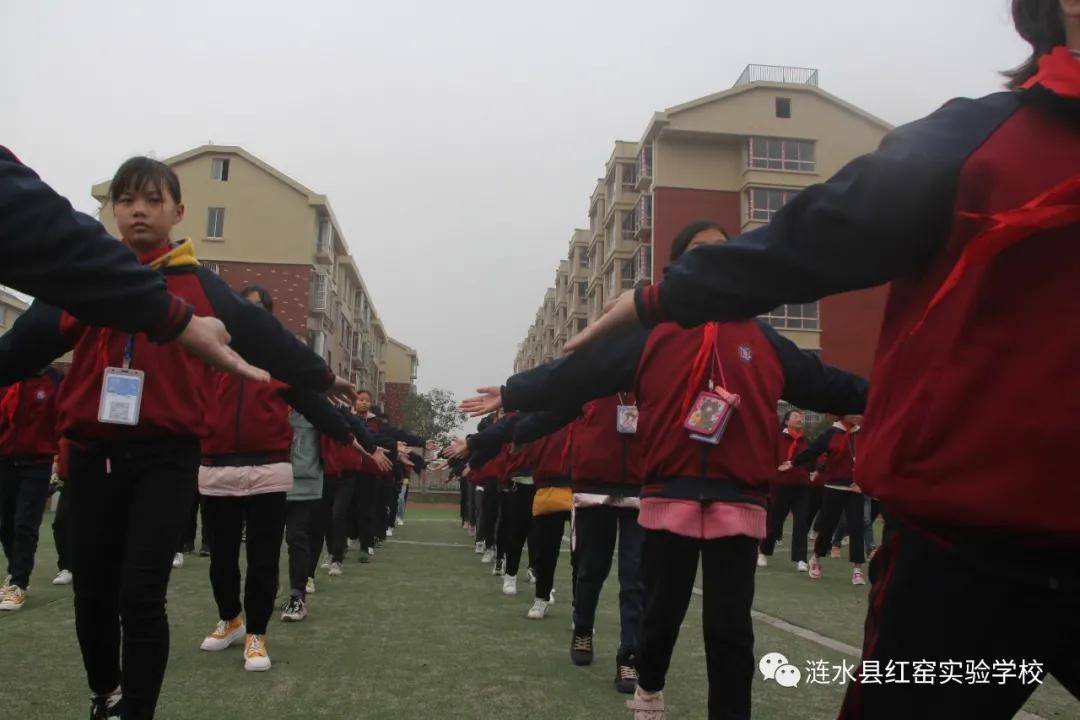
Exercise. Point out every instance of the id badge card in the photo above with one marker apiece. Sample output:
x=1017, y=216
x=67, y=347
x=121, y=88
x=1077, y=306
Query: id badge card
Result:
x=121, y=396
x=626, y=417
x=708, y=417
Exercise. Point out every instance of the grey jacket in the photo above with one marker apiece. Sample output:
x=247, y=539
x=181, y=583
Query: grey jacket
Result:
x=306, y=460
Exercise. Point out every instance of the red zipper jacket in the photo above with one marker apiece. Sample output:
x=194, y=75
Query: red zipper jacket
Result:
x=176, y=400
x=787, y=449
x=28, y=417
x=758, y=364
x=249, y=421
x=605, y=461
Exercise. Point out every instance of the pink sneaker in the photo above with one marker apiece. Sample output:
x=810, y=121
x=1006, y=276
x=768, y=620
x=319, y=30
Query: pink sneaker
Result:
x=815, y=568
x=647, y=705
x=857, y=577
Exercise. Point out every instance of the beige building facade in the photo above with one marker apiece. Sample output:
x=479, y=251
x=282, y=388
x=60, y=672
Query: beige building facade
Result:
x=735, y=157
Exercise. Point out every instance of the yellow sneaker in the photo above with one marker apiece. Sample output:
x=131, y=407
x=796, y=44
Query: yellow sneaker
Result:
x=226, y=634
x=13, y=599
x=255, y=657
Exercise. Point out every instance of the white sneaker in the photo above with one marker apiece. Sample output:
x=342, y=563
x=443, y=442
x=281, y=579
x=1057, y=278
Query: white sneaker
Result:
x=5, y=585
x=801, y=566
x=509, y=585
x=178, y=560
x=497, y=567
x=62, y=578
x=762, y=561
x=531, y=575
x=226, y=634
x=335, y=569
x=538, y=610
x=352, y=543
x=857, y=577
x=480, y=548
x=389, y=532
x=371, y=551
x=256, y=658
x=399, y=522
x=325, y=565
x=489, y=555
x=309, y=588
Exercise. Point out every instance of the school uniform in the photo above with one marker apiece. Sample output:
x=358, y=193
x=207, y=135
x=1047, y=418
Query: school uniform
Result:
x=971, y=214
x=700, y=501
x=131, y=486
x=789, y=493
x=244, y=479
x=27, y=448
x=839, y=446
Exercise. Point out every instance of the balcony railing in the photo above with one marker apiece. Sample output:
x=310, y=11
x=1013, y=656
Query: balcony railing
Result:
x=643, y=265
x=643, y=212
x=778, y=74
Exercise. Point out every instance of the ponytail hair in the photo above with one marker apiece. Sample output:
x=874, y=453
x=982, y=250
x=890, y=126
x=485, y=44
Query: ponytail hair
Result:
x=1041, y=24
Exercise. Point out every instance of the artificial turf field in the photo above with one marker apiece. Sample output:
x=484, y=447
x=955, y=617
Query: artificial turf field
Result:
x=424, y=632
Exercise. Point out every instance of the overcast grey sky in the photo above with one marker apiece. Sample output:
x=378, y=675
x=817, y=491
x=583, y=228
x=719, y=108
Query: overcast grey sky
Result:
x=457, y=141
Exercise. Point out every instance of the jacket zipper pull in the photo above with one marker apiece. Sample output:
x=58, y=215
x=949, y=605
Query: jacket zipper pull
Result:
x=108, y=466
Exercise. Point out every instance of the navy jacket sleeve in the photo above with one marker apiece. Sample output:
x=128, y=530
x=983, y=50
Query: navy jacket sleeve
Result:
x=494, y=436
x=815, y=449
x=262, y=340
x=32, y=342
x=66, y=258
x=320, y=412
x=885, y=215
x=564, y=385
x=812, y=385
x=541, y=424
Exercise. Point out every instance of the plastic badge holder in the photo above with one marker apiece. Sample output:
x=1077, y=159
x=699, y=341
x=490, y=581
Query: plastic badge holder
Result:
x=709, y=417
x=626, y=419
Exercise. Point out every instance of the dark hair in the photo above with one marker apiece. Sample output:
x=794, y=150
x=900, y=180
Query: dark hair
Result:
x=139, y=173
x=363, y=391
x=682, y=240
x=264, y=296
x=1041, y=23
x=788, y=414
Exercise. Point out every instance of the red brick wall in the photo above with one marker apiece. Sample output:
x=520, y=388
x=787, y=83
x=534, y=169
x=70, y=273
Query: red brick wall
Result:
x=289, y=285
x=394, y=402
x=850, y=324
x=675, y=208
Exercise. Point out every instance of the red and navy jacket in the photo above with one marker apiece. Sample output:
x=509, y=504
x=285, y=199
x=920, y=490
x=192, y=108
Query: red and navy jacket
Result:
x=972, y=214
x=176, y=400
x=28, y=417
x=837, y=448
x=658, y=366
x=331, y=451
x=604, y=460
x=249, y=421
x=787, y=449
x=67, y=258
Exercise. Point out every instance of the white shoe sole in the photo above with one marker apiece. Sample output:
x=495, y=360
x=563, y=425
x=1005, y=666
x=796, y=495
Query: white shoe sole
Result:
x=218, y=645
x=258, y=666
x=5, y=607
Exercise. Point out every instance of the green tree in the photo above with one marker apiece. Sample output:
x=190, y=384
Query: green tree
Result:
x=433, y=415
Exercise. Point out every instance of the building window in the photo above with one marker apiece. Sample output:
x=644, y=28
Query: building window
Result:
x=629, y=176
x=764, y=202
x=215, y=223
x=323, y=236
x=645, y=161
x=212, y=267
x=319, y=295
x=583, y=258
x=627, y=274
x=219, y=169
x=629, y=225
x=582, y=292
x=579, y=324
x=797, y=316
x=783, y=107
x=781, y=154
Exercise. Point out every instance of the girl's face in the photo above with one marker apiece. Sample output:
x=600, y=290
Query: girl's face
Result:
x=363, y=403
x=711, y=236
x=795, y=421
x=146, y=217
